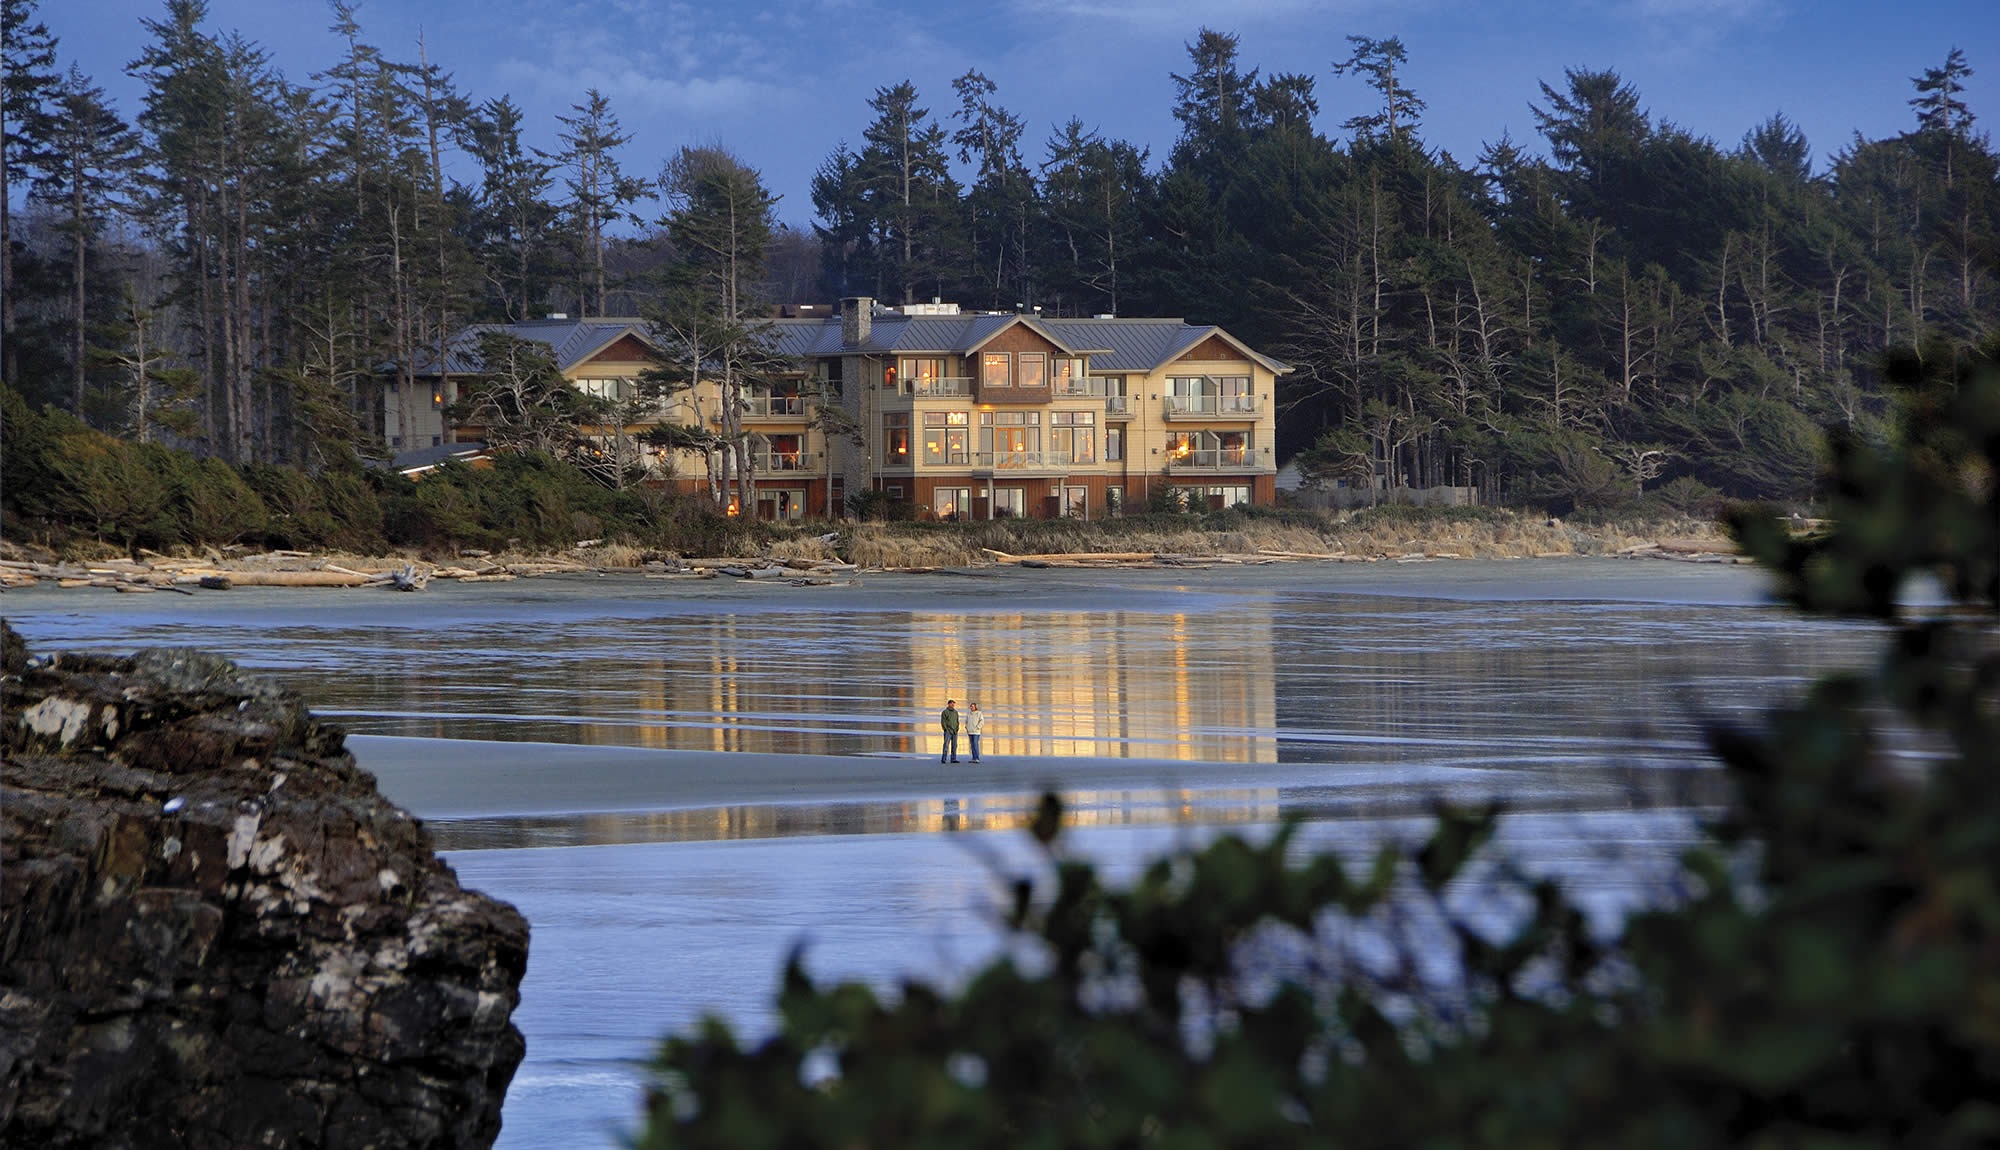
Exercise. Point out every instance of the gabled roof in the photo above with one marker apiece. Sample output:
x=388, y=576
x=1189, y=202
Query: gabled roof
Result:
x=1149, y=344
x=571, y=341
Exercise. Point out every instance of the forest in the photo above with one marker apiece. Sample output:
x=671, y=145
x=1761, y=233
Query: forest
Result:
x=241, y=265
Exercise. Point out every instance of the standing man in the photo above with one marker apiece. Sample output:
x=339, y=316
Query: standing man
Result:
x=973, y=721
x=948, y=721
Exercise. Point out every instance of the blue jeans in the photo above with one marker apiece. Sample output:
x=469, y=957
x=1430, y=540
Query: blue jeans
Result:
x=974, y=740
x=950, y=746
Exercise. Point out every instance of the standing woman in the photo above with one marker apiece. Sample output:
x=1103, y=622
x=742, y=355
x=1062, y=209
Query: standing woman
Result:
x=973, y=721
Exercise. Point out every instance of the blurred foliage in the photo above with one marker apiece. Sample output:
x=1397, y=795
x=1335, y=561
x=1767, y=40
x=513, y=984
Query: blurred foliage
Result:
x=1828, y=974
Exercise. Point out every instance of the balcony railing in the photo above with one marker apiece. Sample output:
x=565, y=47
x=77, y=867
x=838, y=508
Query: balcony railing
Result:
x=1213, y=406
x=947, y=387
x=1212, y=459
x=780, y=462
x=1118, y=405
x=775, y=407
x=1020, y=460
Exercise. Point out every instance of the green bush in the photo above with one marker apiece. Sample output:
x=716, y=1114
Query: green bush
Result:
x=1830, y=976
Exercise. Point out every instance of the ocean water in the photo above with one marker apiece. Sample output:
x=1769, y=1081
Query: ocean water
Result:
x=679, y=782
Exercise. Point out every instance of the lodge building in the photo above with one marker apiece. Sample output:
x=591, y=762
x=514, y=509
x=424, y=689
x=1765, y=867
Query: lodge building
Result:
x=961, y=415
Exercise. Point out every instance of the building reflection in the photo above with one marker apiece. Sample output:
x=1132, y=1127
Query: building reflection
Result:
x=1187, y=687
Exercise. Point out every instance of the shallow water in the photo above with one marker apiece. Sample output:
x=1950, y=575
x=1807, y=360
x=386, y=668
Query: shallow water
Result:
x=664, y=879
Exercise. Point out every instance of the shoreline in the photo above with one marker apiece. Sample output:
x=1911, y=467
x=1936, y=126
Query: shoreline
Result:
x=855, y=550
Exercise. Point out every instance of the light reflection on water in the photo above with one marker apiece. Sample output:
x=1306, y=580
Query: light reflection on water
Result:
x=1119, y=684
x=1268, y=674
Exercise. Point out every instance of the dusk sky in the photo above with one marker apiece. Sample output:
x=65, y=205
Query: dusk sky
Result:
x=782, y=84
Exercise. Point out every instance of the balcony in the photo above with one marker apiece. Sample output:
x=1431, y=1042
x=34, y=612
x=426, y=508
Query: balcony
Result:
x=1117, y=407
x=781, y=463
x=1021, y=462
x=1213, y=407
x=1217, y=459
x=947, y=388
x=775, y=407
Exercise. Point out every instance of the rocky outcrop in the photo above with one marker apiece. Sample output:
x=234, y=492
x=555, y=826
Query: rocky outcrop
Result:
x=215, y=932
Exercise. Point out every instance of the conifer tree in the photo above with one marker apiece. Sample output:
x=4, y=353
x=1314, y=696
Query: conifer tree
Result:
x=599, y=190
x=911, y=201
x=513, y=213
x=1377, y=62
x=720, y=223
x=88, y=156
x=28, y=81
x=1001, y=203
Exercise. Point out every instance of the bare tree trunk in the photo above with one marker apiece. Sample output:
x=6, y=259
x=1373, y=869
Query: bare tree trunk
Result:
x=77, y=245
x=251, y=446
x=438, y=208
x=400, y=328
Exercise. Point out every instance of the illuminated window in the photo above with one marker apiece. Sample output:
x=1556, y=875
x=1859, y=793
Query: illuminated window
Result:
x=1010, y=437
x=896, y=439
x=1070, y=378
x=1032, y=370
x=996, y=369
x=952, y=502
x=1073, y=435
x=946, y=440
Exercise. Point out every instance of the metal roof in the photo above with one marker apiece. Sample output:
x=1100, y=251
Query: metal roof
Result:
x=1114, y=345
x=1147, y=344
x=571, y=341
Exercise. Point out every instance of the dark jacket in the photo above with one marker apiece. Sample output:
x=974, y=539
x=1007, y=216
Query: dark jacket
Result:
x=948, y=719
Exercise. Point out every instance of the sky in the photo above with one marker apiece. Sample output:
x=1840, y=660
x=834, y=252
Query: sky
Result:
x=781, y=84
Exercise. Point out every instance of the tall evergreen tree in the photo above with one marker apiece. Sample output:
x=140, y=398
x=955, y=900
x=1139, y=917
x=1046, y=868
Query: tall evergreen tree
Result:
x=1212, y=102
x=840, y=209
x=1939, y=108
x=1779, y=147
x=1001, y=204
x=1093, y=191
x=721, y=221
x=514, y=214
x=28, y=81
x=1377, y=62
x=599, y=190
x=89, y=156
x=912, y=202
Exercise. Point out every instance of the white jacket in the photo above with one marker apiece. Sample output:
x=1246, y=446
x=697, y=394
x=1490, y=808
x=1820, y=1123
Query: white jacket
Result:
x=973, y=721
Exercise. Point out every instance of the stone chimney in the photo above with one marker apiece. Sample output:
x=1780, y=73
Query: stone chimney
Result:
x=857, y=320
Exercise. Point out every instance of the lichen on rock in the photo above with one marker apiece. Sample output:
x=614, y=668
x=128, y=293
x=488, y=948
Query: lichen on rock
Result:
x=215, y=931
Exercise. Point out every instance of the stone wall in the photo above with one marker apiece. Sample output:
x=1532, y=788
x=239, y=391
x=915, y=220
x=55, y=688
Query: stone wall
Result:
x=215, y=932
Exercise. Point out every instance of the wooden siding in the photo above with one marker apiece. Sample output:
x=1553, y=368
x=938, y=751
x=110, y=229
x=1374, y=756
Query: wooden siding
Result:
x=624, y=349
x=1214, y=348
x=1014, y=340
